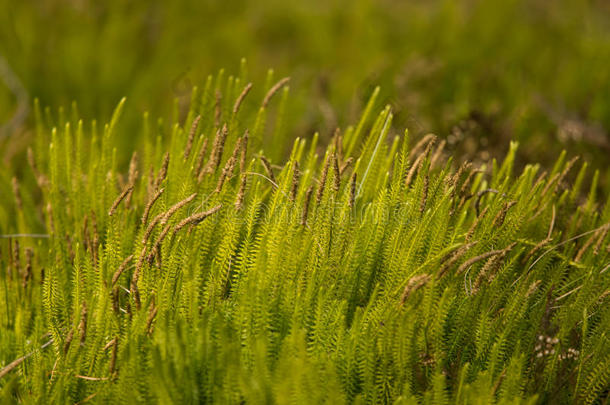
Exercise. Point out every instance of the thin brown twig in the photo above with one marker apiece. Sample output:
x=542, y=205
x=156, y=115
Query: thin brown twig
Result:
x=12, y=365
x=85, y=377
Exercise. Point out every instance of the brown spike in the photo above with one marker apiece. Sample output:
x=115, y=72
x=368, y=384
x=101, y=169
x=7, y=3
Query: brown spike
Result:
x=552, y=224
x=121, y=269
x=151, y=226
x=115, y=299
x=536, y=248
x=475, y=223
x=540, y=179
x=567, y=169
x=533, y=287
x=162, y=171
x=120, y=198
x=548, y=185
x=352, y=193
x=438, y=153
x=150, y=204
x=27, y=274
x=414, y=284
x=306, y=206
x=581, y=252
x=424, y=196
x=133, y=288
x=348, y=162
x=221, y=179
x=174, y=208
x=165, y=216
x=16, y=259
x=244, y=152
x=217, y=108
x=500, y=216
x=191, y=137
x=274, y=90
x=217, y=149
x=483, y=256
x=480, y=195
x=600, y=240
x=338, y=141
x=489, y=269
x=150, y=187
x=227, y=171
x=17, y=194
x=452, y=258
x=196, y=218
x=152, y=312
x=113, y=356
x=425, y=142
x=156, y=249
x=241, y=97
x=336, y=174
x=136, y=297
x=267, y=167
x=132, y=175
x=239, y=201
x=136, y=274
x=68, y=340
x=296, y=174
x=466, y=183
x=110, y=344
x=464, y=167
x=418, y=163
x=49, y=210
x=413, y=170
x=82, y=326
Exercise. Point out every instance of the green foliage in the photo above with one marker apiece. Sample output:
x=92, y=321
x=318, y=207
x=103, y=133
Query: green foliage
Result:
x=203, y=273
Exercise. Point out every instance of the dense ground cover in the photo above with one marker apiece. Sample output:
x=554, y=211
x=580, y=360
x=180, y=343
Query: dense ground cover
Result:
x=304, y=240
x=372, y=269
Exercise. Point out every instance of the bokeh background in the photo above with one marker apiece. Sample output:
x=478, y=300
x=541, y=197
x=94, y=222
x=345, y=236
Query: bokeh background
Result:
x=478, y=73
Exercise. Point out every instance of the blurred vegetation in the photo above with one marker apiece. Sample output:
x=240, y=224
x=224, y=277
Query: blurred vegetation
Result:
x=478, y=73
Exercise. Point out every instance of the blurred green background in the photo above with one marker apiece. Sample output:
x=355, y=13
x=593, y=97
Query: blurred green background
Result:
x=477, y=73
